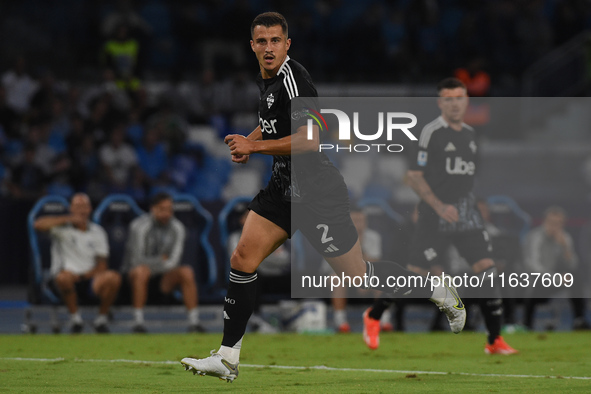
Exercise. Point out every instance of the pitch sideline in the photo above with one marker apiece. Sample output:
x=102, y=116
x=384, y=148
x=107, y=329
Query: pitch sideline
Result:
x=315, y=367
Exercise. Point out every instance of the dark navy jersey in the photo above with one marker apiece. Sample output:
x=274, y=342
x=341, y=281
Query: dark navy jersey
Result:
x=278, y=119
x=447, y=158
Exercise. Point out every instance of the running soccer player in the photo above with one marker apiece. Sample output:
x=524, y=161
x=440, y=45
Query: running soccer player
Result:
x=317, y=194
x=442, y=174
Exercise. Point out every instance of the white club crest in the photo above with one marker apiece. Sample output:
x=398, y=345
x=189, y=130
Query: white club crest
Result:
x=270, y=100
x=473, y=146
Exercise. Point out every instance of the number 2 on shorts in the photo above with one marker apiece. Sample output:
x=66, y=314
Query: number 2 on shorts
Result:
x=324, y=239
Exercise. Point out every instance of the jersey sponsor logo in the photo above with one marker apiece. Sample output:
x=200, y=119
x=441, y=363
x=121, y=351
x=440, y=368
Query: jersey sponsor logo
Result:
x=230, y=300
x=268, y=126
x=450, y=147
x=270, y=100
x=226, y=317
x=460, y=167
x=422, y=159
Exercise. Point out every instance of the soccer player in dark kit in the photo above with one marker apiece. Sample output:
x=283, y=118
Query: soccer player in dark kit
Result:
x=442, y=173
x=315, y=191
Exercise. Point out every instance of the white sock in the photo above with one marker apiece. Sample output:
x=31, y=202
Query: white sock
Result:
x=386, y=317
x=193, y=316
x=138, y=315
x=101, y=319
x=340, y=317
x=76, y=318
x=231, y=354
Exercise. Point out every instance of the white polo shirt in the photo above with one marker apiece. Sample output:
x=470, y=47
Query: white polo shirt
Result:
x=76, y=251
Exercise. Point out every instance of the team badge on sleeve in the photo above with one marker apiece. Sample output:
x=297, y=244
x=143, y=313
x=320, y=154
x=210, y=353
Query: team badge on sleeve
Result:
x=422, y=159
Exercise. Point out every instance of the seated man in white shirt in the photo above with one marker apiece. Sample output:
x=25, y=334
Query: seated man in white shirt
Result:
x=79, y=253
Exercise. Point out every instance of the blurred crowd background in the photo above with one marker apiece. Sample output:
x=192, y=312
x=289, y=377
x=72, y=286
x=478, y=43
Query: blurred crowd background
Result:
x=107, y=96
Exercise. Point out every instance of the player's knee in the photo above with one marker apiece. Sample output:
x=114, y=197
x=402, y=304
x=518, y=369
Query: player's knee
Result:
x=113, y=278
x=64, y=280
x=239, y=262
x=141, y=273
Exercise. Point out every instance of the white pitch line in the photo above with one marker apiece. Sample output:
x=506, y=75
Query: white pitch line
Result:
x=315, y=367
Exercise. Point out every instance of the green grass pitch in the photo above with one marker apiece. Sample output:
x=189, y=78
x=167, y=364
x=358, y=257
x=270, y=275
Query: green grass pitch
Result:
x=85, y=365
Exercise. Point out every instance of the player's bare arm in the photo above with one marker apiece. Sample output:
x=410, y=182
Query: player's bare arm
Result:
x=418, y=183
x=293, y=144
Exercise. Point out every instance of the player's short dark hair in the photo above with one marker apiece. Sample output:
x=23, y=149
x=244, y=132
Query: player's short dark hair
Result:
x=450, y=83
x=269, y=19
x=159, y=197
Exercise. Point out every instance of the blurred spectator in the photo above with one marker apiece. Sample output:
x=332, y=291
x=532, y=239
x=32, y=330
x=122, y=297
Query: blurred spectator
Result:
x=119, y=161
x=205, y=99
x=171, y=125
x=27, y=180
x=41, y=103
x=9, y=120
x=477, y=80
x=135, y=127
x=152, y=160
x=46, y=149
x=121, y=54
x=549, y=249
x=19, y=86
x=85, y=168
x=103, y=117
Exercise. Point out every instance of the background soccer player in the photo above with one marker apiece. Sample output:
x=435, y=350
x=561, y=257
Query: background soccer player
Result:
x=318, y=196
x=442, y=174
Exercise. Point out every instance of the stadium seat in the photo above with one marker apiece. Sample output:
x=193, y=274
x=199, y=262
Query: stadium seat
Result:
x=40, y=291
x=114, y=213
x=508, y=216
x=228, y=221
x=198, y=252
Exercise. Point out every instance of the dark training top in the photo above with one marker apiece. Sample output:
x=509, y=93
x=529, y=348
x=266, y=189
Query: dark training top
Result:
x=312, y=174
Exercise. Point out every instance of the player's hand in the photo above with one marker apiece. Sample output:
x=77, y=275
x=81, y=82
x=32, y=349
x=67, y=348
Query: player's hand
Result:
x=242, y=159
x=449, y=213
x=239, y=145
